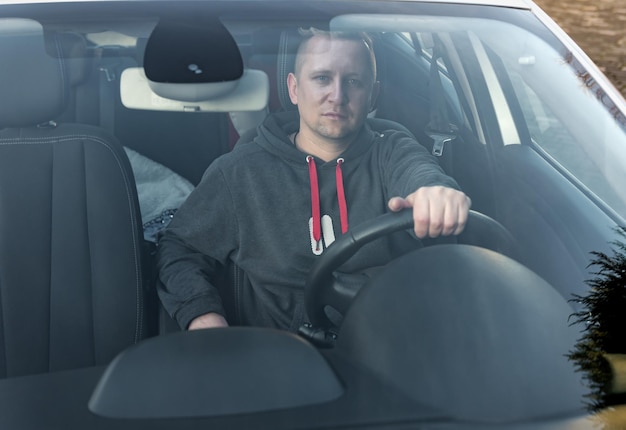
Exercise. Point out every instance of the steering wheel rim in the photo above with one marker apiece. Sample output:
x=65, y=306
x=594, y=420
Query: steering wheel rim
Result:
x=320, y=291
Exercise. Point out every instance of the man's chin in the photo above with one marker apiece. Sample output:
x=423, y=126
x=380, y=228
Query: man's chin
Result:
x=339, y=135
x=341, y=138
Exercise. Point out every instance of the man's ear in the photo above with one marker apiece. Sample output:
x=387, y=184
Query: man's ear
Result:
x=292, y=86
x=374, y=96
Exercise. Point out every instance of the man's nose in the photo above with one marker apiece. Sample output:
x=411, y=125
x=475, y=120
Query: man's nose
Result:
x=338, y=92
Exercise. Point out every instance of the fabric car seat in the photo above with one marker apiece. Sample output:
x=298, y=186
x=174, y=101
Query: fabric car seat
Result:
x=71, y=277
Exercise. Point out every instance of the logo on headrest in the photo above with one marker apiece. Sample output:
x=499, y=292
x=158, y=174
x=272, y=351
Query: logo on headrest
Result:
x=195, y=68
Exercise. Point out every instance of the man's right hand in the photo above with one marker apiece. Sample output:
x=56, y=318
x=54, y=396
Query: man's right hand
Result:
x=210, y=320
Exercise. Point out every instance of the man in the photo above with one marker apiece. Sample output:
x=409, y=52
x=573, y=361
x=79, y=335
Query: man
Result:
x=272, y=206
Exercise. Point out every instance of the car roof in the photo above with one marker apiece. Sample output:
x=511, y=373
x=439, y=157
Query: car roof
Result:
x=518, y=4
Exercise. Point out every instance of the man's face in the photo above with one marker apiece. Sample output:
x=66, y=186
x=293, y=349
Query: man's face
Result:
x=334, y=88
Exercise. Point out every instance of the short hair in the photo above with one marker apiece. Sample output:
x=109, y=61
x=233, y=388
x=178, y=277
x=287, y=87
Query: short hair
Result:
x=359, y=36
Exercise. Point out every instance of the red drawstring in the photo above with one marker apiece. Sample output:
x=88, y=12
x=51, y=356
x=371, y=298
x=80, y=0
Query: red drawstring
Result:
x=341, y=197
x=315, y=201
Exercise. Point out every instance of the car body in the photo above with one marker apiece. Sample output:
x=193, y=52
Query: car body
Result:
x=509, y=105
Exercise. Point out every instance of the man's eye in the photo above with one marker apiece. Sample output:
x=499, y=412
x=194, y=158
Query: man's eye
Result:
x=321, y=79
x=354, y=82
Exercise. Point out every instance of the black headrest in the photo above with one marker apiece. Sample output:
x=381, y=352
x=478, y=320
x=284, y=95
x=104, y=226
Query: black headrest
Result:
x=73, y=49
x=33, y=84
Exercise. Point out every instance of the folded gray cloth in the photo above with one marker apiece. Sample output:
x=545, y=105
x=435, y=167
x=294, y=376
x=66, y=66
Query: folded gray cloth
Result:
x=160, y=190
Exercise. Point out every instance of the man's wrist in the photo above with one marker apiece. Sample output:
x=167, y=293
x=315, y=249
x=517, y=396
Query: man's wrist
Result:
x=209, y=320
x=197, y=307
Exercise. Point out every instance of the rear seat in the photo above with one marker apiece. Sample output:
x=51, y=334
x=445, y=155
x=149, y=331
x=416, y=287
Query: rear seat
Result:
x=186, y=143
x=169, y=150
x=95, y=78
x=179, y=145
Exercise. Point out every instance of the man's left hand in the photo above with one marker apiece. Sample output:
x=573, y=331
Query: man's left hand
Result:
x=437, y=210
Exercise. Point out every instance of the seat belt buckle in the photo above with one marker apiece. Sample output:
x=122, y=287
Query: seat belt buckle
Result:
x=109, y=74
x=440, y=139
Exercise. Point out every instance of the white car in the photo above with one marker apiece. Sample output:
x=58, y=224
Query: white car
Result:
x=110, y=113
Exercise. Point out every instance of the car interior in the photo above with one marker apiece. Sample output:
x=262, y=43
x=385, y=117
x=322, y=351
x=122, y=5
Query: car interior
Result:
x=79, y=115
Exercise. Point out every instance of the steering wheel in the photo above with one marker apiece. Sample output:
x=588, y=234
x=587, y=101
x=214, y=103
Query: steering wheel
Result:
x=321, y=291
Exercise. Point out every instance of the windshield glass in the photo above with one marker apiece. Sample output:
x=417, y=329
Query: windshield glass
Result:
x=265, y=147
x=564, y=113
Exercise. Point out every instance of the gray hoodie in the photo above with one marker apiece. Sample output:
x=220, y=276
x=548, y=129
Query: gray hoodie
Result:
x=255, y=210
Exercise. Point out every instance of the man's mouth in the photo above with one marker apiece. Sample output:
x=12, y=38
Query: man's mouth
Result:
x=335, y=115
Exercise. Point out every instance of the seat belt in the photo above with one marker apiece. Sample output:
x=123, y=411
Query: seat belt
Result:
x=107, y=98
x=440, y=129
x=109, y=68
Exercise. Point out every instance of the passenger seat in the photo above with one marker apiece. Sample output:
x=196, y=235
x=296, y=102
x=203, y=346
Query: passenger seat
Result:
x=71, y=278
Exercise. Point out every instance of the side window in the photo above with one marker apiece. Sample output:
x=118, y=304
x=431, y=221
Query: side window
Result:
x=551, y=135
x=547, y=132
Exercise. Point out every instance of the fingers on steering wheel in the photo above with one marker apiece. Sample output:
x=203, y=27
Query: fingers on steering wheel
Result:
x=463, y=214
x=450, y=218
x=439, y=222
x=455, y=218
x=461, y=223
x=421, y=219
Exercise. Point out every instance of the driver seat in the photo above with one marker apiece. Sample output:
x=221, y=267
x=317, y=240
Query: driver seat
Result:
x=71, y=278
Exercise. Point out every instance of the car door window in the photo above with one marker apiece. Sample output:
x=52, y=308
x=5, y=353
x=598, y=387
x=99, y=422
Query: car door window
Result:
x=586, y=162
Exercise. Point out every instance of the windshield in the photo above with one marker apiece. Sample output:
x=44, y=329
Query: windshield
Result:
x=542, y=95
x=535, y=73
x=257, y=138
